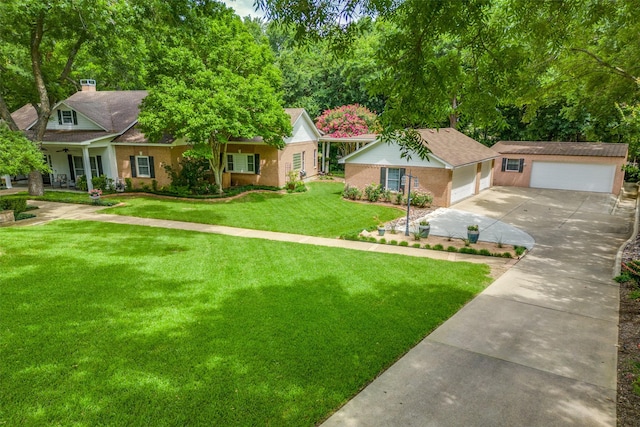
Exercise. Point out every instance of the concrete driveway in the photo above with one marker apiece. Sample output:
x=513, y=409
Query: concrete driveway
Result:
x=538, y=346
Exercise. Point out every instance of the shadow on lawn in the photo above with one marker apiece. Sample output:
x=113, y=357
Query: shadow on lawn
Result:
x=155, y=349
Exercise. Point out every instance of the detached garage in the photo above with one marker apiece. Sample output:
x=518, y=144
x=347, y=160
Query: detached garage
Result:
x=579, y=166
x=458, y=166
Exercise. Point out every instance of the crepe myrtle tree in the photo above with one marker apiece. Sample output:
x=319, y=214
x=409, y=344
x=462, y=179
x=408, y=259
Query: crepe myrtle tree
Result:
x=216, y=83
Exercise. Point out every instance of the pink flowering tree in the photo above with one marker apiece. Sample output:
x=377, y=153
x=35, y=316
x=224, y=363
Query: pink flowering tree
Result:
x=348, y=120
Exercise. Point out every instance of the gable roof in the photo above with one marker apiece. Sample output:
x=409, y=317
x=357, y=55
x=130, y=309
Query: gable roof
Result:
x=25, y=116
x=455, y=148
x=114, y=111
x=597, y=149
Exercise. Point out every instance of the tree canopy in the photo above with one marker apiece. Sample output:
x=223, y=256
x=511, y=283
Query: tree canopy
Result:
x=18, y=155
x=215, y=82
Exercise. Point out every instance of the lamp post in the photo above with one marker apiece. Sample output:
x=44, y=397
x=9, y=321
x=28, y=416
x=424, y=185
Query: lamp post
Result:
x=404, y=180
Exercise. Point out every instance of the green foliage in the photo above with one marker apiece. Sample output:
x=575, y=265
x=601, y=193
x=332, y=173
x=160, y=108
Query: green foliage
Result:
x=624, y=277
x=485, y=252
x=17, y=204
x=473, y=227
x=519, y=250
x=507, y=255
x=404, y=243
x=18, y=155
x=128, y=184
x=103, y=183
x=294, y=183
x=452, y=249
x=351, y=193
x=438, y=247
x=81, y=183
x=416, y=245
x=631, y=172
x=393, y=242
x=470, y=251
x=382, y=241
x=427, y=246
x=24, y=215
x=421, y=199
x=191, y=177
x=373, y=192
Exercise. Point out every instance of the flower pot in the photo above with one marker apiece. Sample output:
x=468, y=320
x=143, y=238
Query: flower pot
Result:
x=473, y=236
x=96, y=197
x=381, y=231
x=424, y=230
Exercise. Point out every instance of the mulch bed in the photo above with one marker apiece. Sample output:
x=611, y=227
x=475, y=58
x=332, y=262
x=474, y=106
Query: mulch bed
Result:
x=628, y=402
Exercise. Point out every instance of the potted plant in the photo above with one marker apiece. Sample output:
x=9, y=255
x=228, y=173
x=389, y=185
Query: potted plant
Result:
x=95, y=194
x=473, y=233
x=424, y=228
x=381, y=227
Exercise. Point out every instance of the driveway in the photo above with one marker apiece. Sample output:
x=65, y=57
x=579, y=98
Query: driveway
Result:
x=538, y=346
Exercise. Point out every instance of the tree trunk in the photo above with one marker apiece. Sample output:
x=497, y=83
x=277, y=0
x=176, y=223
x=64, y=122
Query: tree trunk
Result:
x=36, y=186
x=216, y=162
x=453, y=117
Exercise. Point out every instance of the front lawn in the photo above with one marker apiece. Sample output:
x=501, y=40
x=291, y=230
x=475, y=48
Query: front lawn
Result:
x=107, y=324
x=321, y=211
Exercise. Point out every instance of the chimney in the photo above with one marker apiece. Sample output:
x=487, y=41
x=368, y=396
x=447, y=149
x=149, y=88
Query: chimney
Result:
x=88, y=85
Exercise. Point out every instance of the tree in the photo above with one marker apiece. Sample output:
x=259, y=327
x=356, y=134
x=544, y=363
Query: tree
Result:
x=345, y=121
x=215, y=82
x=18, y=155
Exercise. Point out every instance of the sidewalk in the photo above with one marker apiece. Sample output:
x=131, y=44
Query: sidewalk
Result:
x=49, y=211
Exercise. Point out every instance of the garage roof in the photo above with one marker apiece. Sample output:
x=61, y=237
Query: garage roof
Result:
x=593, y=149
x=454, y=147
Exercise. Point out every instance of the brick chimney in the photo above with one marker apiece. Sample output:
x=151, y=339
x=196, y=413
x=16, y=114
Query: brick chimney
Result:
x=88, y=85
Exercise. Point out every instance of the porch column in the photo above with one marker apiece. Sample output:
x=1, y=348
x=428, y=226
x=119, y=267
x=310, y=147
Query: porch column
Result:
x=87, y=167
x=7, y=180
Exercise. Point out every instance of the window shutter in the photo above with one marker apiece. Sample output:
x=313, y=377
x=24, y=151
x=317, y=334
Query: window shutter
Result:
x=75, y=117
x=521, y=166
x=72, y=172
x=504, y=164
x=402, y=172
x=256, y=163
x=383, y=178
x=59, y=117
x=132, y=160
x=152, y=169
x=99, y=162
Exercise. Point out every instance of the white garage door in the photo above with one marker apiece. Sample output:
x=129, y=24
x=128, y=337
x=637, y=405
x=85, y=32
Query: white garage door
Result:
x=573, y=176
x=463, y=183
x=485, y=175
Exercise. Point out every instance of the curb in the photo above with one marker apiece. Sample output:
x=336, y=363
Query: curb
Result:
x=617, y=267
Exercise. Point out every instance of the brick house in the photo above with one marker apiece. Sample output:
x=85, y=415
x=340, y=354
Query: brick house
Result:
x=458, y=166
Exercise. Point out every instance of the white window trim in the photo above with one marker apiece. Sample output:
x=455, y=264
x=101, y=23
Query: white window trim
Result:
x=67, y=117
x=507, y=167
x=387, y=179
x=138, y=173
x=246, y=162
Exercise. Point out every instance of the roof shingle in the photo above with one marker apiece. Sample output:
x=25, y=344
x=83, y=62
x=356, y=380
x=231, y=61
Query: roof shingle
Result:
x=597, y=149
x=454, y=147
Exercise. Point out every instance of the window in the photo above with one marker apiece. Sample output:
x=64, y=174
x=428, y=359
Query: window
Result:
x=67, y=118
x=393, y=179
x=297, y=161
x=78, y=166
x=241, y=163
x=144, y=170
x=512, y=165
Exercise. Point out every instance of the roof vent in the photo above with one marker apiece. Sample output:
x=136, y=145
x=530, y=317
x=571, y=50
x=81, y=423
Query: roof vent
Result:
x=88, y=85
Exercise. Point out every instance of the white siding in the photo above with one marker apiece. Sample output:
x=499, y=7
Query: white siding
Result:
x=573, y=176
x=463, y=183
x=380, y=153
x=485, y=175
x=83, y=122
x=302, y=132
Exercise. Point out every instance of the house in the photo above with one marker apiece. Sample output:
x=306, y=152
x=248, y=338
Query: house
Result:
x=580, y=166
x=95, y=132
x=457, y=167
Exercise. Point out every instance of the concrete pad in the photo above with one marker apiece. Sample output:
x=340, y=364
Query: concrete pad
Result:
x=598, y=299
x=566, y=344
x=439, y=385
x=453, y=223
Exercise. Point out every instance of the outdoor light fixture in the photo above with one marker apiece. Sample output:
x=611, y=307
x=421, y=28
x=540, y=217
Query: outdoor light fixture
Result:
x=406, y=179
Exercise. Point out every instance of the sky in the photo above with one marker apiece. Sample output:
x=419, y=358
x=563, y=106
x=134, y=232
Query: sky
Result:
x=243, y=7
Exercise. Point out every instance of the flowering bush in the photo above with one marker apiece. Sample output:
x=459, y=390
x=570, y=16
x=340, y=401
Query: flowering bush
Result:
x=96, y=192
x=348, y=120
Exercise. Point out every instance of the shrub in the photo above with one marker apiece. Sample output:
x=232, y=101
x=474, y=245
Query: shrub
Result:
x=128, y=184
x=624, y=277
x=398, y=198
x=373, y=192
x=23, y=215
x=372, y=239
x=350, y=236
x=404, y=243
x=420, y=199
x=473, y=227
x=416, y=235
x=507, y=255
x=427, y=246
x=485, y=252
x=102, y=182
x=382, y=241
x=393, y=242
x=15, y=204
x=416, y=245
x=471, y=251
x=81, y=183
x=438, y=247
x=631, y=172
x=452, y=249
x=519, y=250
x=351, y=193
x=192, y=175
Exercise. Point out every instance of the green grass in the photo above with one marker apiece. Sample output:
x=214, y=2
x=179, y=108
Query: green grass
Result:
x=107, y=324
x=321, y=211
x=66, y=197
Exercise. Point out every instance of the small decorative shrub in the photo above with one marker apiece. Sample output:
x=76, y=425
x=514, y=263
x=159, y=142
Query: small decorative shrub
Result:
x=416, y=235
x=473, y=227
x=382, y=241
x=507, y=255
x=15, y=204
x=373, y=192
x=519, y=250
x=485, y=252
x=23, y=215
x=102, y=182
x=416, y=245
x=351, y=193
x=81, y=183
x=398, y=198
x=128, y=184
x=404, y=243
x=420, y=199
x=452, y=249
x=393, y=242
x=466, y=250
x=427, y=246
x=438, y=247
x=372, y=239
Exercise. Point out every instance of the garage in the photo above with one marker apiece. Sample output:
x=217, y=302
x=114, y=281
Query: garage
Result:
x=573, y=176
x=578, y=166
x=485, y=175
x=463, y=183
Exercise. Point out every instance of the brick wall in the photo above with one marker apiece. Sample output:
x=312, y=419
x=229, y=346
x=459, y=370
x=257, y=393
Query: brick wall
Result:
x=162, y=155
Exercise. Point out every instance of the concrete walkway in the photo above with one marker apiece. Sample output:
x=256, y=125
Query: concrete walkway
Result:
x=49, y=211
x=538, y=347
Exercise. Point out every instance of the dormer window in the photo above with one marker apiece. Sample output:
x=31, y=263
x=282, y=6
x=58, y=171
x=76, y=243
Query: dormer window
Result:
x=67, y=117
